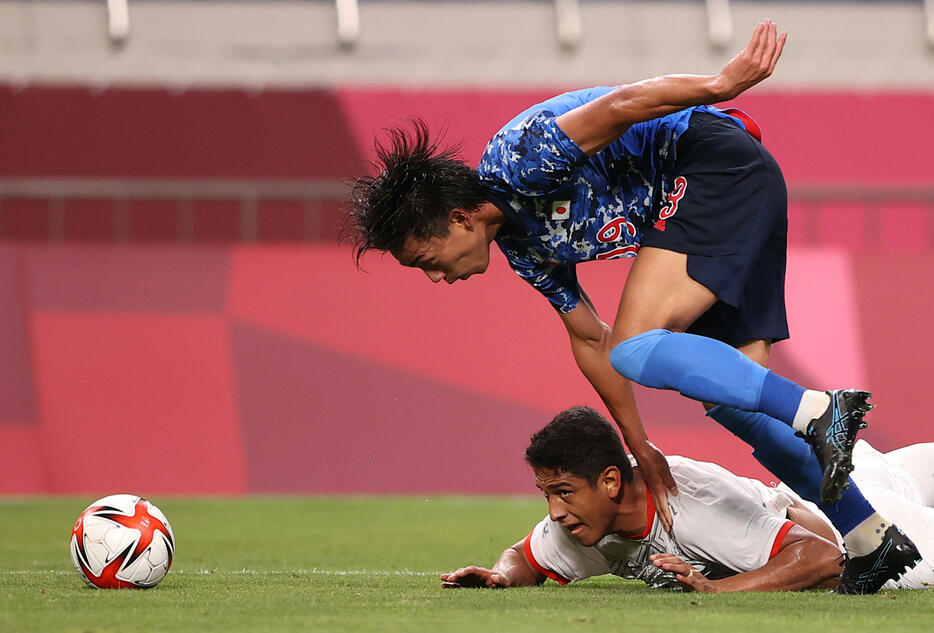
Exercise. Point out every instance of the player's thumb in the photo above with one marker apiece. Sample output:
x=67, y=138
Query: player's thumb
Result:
x=498, y=580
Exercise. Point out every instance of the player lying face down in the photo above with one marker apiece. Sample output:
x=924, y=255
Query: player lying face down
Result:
x=730, y=533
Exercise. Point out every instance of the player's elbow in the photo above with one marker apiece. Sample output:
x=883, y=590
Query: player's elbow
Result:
x=818, y=561
x=623, y=108
x=830, y=567
x=632, y=103
x=518, y=570
x=591, y=334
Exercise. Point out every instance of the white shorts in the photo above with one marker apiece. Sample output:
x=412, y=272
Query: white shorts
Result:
x=900, y=486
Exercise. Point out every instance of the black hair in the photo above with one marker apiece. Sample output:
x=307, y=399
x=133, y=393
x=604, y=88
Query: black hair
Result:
x=579, y=441
x=416, y=186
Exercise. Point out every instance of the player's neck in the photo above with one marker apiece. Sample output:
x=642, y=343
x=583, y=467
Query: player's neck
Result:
x=492, y=218
x=633, y=508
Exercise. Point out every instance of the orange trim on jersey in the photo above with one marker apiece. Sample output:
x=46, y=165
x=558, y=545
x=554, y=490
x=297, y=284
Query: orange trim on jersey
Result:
x=649, y=515
x=527, y=548
x=780, y=537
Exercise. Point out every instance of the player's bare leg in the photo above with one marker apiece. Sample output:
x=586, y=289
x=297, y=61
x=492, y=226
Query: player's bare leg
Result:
x=659, y=293
x=659, y=302
x=759, y=350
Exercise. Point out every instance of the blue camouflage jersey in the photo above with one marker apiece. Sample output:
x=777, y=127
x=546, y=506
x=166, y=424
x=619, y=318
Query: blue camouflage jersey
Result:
x=564, y=207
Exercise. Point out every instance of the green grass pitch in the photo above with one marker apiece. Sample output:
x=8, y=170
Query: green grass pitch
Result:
x=372, y=564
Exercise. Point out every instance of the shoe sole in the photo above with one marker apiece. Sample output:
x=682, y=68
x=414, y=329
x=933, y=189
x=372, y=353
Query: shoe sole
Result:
x=835, y=479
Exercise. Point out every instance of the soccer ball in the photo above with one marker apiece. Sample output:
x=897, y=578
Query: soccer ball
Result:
x=122, y=542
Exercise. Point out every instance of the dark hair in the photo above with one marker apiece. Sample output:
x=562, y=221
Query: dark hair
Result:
x=579, y=441
x=415, y=188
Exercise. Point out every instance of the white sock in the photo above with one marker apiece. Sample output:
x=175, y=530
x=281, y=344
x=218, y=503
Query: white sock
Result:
x=812, y=405
x=866, y=536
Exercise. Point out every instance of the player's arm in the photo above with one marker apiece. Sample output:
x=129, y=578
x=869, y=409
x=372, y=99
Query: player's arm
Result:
x=804, y=561
x=511, y=570
x=590, y=344
x=598, y=123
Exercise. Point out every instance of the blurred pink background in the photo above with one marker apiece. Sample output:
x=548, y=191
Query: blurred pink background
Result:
x=149, y=347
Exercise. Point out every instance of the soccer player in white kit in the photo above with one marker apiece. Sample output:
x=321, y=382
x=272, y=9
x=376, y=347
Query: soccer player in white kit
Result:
x=729, y=533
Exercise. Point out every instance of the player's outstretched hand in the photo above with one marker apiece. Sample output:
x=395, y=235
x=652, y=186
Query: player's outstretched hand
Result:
x=754, y=63
x=657, y=476
x=474, y=577
x=689, y=578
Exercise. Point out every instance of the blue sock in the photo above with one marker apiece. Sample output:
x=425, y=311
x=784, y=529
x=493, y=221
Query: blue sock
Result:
x=706, y=369
x=789, y=458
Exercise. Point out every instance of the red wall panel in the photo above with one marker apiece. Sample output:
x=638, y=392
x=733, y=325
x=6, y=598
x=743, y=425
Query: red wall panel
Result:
x=285, y=369
x=158, y=133
x=137, y=403
x=23, y=455
x=817, y=137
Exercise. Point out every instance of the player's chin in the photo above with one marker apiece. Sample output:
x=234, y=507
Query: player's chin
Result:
x=481, y=267
x=468, y=275
x=585, y=538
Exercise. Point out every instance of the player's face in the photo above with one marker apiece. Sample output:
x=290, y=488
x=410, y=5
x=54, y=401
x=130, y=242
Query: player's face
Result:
x=463, y=252
x=586, y=512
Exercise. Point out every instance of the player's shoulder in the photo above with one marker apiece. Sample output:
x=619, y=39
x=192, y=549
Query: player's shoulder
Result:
x=696, y=478
x=555, y=106
x=533, y=122
x=686, y=467
x=703, y=485
x=702, y=480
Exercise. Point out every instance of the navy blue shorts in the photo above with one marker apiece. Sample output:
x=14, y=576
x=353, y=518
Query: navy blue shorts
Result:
x=728, y=211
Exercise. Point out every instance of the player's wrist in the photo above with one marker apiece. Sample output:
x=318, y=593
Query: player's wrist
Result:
x=637, y=443
x=719, y=88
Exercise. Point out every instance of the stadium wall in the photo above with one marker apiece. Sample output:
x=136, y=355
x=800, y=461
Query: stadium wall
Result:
x=281, y=368
x=262, y=44
x=160, y=366
x=835, y=137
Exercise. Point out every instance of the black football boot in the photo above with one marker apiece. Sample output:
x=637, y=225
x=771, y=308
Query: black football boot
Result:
x=832, y=436
x=867, y=574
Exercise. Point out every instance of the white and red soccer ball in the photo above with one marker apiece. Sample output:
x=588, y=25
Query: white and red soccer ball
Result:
x=122, y=542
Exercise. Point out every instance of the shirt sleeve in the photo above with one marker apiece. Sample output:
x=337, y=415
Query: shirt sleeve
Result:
x=532, y=158
x=556, y=554
x=725, y=518
x=557, y=282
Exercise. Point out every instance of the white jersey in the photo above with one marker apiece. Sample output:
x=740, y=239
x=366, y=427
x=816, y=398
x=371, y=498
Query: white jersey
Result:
x=723, y=524
x=900, y=498
x=726, y=524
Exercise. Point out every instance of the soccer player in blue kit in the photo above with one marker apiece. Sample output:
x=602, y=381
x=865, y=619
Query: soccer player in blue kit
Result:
x=648, y=169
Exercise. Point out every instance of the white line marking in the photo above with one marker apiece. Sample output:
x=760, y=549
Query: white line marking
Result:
x=250, y=572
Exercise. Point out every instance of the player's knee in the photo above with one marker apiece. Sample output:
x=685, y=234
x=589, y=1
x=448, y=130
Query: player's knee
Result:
x=630, y=357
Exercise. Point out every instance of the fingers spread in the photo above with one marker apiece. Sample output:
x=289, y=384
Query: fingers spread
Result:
x=672, y=563
x=660, y=560
x=689, y=582
x=661, y=507
x=496, y=580
x=666, y=522
x=753, y=45
x=768, y=48
x=670, y=483
x=780, y=44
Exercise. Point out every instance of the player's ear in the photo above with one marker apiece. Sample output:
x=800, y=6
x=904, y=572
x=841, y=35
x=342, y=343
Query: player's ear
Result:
x=459, y=216
x=611, y=481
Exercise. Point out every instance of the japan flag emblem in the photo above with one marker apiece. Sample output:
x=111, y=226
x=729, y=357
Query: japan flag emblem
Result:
x=560, y=209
